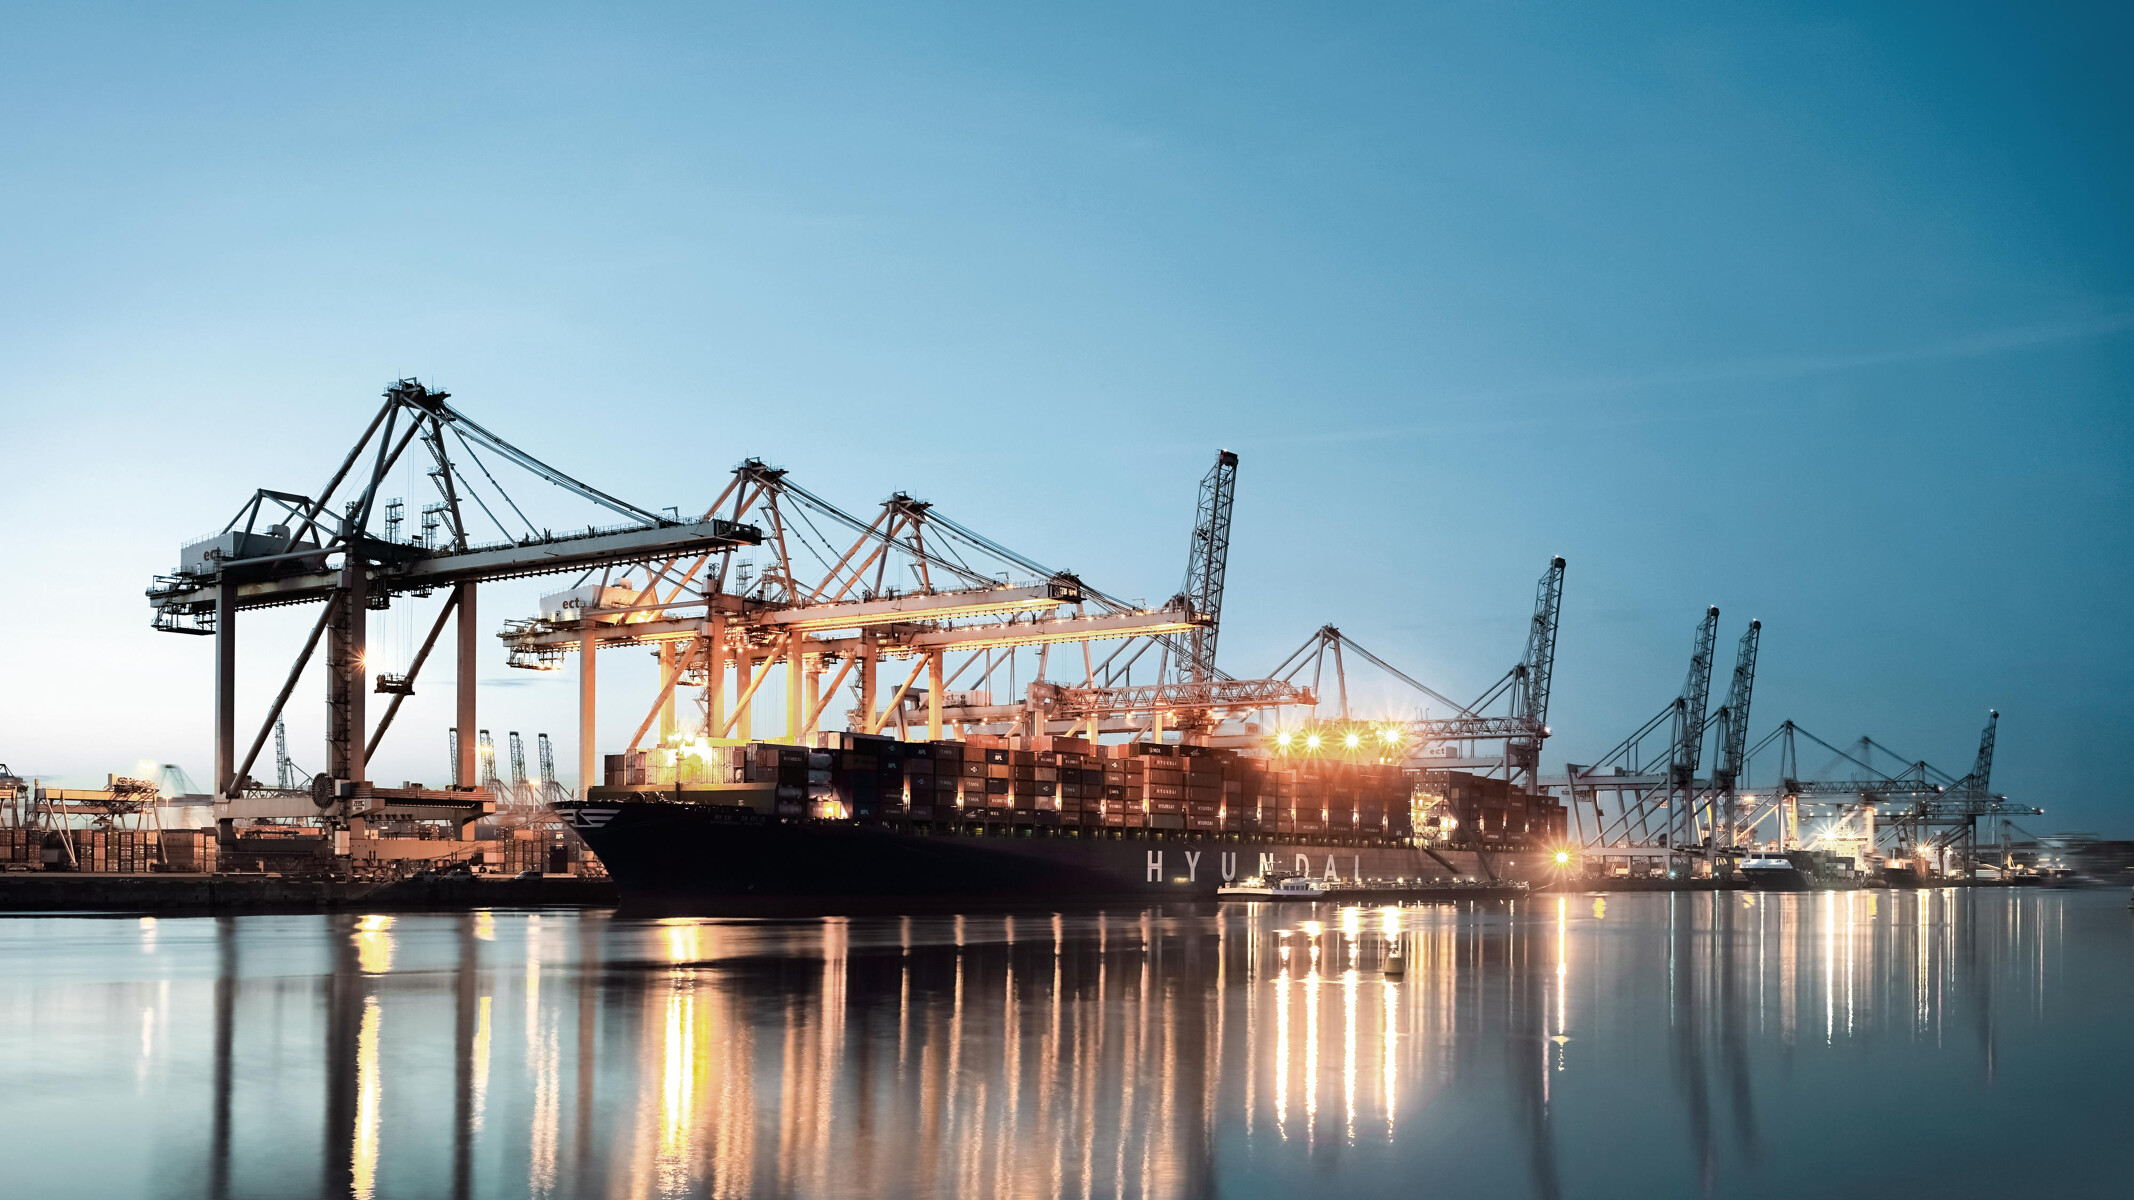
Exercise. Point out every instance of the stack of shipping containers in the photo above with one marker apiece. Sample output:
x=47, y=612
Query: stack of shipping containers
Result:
x=1048, y=782
x=116, y=851
x=1490, y=813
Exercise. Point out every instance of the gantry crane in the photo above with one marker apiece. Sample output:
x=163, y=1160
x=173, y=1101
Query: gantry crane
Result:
x=1917, y=810
x=1666, y=811
x=1529, y=680
x=16, y=797
x=1733, y=721
x=1449, y=742
x=552, y=793
x=1949, y=818
x=518, y=771
x=1689, y=715
x=286, y=548
x=911, y=584
x=1191, y=693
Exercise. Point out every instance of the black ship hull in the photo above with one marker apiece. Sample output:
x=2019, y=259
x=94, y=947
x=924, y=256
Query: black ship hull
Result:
x=1768, y=879
x=710, y=858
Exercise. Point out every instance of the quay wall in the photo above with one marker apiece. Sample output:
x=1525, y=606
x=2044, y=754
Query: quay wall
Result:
x=70, y=891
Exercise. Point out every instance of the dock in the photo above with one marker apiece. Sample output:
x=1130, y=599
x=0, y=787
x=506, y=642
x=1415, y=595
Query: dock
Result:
x=39, y=892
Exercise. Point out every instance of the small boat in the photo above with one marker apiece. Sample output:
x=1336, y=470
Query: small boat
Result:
x=1774, y=872
x=1272, y=887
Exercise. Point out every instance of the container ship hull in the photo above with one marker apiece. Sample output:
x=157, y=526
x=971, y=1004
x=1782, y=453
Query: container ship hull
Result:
x=714, y=858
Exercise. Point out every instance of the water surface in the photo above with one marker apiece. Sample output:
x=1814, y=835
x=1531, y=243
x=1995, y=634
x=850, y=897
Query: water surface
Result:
x=1955, y=1043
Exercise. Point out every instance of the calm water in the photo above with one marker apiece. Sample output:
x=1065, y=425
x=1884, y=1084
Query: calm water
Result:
x=1964, y=1044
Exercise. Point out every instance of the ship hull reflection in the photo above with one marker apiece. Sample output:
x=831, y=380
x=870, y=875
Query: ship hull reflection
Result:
x=1550, y=1046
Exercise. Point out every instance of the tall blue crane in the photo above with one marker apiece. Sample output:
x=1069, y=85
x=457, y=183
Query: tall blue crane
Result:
x=1207, y=560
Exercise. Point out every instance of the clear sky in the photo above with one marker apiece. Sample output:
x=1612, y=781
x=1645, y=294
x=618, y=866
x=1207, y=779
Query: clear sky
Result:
x=1822, y=314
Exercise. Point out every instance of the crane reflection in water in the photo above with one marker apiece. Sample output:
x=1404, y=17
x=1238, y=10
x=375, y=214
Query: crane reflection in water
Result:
x=1150, y=1052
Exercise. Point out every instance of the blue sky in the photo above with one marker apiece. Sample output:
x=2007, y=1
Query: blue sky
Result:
x=1824, y=316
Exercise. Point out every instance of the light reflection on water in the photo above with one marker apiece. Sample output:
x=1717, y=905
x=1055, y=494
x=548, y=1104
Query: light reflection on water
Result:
x=1737, y=1044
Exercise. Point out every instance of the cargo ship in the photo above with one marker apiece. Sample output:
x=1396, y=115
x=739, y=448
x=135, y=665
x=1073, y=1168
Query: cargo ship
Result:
x=865, y=822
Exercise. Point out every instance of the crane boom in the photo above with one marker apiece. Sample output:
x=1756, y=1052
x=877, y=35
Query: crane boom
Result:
x=1530, y=699
x=1733, y=721
x=1206, y=563
x=1735, y=738
x=1540, y=662
x=1696, y=694
x=1979, y=781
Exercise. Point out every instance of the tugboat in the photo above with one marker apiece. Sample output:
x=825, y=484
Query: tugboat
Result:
x=1272, y=887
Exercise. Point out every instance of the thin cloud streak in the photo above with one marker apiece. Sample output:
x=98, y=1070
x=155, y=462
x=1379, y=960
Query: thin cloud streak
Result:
x=1980, y=345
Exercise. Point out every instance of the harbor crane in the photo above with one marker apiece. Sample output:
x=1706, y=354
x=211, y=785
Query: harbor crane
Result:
x=1733, y=722
x=841, y=595
x=1670, y=810
x=1191, y=692
x=1206, y=564
x=1450, y=742
x=552, y=793
x=912, y=584
x=285, y=548
x=1839, y=804
x=1918, y=810
x=16, y=796
x=518, y=770
x=1930, y=812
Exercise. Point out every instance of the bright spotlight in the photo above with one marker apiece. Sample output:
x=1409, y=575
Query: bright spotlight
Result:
x=1352, y=741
